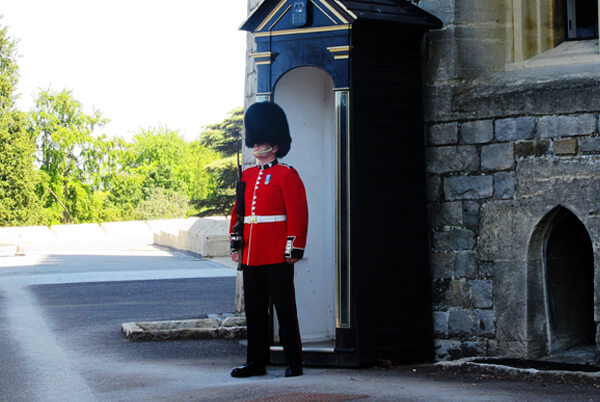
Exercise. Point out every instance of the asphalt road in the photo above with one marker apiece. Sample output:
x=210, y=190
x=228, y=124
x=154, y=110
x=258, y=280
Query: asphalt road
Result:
x=60, y=340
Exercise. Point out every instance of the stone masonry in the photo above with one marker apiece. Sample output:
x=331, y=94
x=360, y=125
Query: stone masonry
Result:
x=472, y=166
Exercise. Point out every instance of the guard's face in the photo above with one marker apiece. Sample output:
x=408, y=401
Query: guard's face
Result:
x=264, y=150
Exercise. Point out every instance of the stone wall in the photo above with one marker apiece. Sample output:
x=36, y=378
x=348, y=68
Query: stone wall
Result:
x=506, y=146
x=490, y=182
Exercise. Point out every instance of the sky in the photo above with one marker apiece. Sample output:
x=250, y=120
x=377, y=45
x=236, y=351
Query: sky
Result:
x=142, y=63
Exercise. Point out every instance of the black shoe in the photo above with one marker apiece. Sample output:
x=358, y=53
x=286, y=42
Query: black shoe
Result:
x=248, y=370
x=293, y=371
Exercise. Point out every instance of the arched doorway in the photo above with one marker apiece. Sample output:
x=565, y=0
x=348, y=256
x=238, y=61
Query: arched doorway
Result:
x=569, y=283
x=306, y=94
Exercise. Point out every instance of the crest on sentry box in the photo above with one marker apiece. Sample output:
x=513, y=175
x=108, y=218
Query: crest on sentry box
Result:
x=299, y=13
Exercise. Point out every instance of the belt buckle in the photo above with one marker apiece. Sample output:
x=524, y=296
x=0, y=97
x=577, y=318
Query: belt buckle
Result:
x=253, y=219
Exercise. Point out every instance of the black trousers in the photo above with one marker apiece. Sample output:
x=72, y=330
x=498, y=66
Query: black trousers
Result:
x=262, y=285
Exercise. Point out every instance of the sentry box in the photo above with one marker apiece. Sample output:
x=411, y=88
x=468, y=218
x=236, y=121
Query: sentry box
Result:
x=348, y=75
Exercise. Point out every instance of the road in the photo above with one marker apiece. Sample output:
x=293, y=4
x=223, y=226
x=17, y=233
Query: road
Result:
x=60, y=340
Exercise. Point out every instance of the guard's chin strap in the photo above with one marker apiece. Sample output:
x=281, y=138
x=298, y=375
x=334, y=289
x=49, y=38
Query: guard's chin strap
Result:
x=263, y=151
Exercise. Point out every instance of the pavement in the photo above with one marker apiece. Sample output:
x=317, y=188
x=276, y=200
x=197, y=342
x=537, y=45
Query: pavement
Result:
x=60, y=316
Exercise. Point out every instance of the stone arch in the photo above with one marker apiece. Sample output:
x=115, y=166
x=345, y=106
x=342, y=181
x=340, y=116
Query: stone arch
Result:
x=560, y=284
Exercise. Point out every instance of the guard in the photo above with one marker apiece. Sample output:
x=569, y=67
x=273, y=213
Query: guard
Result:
x=274, y=237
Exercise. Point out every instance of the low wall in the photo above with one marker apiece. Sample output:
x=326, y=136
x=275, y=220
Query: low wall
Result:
x=206, y=236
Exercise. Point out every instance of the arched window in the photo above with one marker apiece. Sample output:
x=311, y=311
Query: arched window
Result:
x=569, y=273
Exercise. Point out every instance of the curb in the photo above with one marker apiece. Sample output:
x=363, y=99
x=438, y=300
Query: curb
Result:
x=214, y=327
x=472, y=367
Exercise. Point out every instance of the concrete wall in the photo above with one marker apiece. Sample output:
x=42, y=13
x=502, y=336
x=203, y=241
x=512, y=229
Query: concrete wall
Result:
x=206, y=236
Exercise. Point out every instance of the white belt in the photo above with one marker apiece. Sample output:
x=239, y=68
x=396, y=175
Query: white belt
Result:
x=264, y=218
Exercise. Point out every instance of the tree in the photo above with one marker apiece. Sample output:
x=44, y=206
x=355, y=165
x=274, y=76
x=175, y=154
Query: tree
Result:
x=220, y=200
x=18, y=201
x=226, y=136
x=69, y=156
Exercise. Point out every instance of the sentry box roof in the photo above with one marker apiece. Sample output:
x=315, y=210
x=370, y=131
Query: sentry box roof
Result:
x=276, y=15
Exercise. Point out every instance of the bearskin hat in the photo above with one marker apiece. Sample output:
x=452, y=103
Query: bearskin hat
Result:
x=266, y=123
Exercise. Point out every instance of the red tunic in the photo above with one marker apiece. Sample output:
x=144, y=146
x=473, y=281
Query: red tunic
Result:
x=274, y=191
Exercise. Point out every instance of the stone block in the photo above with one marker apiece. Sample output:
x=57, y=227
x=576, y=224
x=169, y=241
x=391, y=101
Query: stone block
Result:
x=440, y=324
x=465, y=265
x=477, y=11
x=481, y=293
x=445, y=214
x=468, y=187
x=589, y=145
x=234, y=321
x=232, y=332
x=443, y=134
x=562, y=126
x=454, y=239
x=457, y=294
x=477, y=132
x=504, y=230
x=512, y=129
x=442, y=265
x=461, y=323
x=486, y=323
x=449, y=159
x=504, y=185
x=439, y=287
x=440, y=55
x=486, y=269
x=497, y=157
x=434, y=188
x=510, y=301
x=472, y=348
x=567, y=146
x=447, y=349
x=471, y=214
x=524, y=149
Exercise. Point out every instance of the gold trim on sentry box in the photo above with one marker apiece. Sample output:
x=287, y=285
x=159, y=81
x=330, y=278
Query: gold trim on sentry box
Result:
x=303, y=31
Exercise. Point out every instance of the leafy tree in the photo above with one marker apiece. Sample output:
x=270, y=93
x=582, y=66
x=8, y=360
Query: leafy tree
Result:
x=68, y=155
x=164, y=204
x=226, y=136
x=18, y=201
x=220, y=201
x=162, y=157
